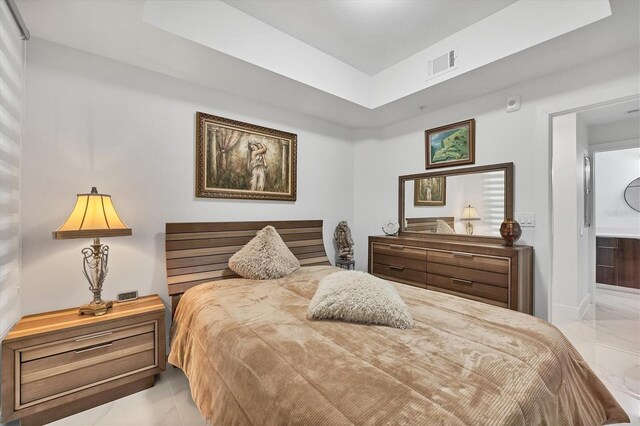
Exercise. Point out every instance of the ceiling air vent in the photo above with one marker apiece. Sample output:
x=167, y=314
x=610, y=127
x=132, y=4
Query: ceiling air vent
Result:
x=442, y=63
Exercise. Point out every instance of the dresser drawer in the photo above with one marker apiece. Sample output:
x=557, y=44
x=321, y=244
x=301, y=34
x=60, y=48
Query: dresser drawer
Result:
x=484, y=291
x=397, y=262
x=469, y=260
x=400, y=273
x=492, y=278
x=399, y=251
x=50, y=371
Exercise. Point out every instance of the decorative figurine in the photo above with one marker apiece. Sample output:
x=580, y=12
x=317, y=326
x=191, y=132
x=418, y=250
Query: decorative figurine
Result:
x=344, y=245
x=510, y=232
x=390, y=227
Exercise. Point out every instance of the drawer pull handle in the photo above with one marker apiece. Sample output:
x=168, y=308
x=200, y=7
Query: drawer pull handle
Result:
x=458, y=280
x=396, y=247
x=397, y=268
x=461, y=254
x=93, y=348
x=606, y=247
x=93, y=336
x=605, y=266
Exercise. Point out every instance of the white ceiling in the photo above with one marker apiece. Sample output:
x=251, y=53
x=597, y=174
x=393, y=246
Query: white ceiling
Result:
x=621, y=111
x=116, y=30
x=370, y=35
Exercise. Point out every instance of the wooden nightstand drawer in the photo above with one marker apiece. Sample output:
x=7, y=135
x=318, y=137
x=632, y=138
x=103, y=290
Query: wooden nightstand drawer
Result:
x=86, y=340
x=59, y=363
x=89, y=365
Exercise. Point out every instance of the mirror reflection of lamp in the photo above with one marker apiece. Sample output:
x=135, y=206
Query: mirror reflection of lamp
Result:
x=469, y=213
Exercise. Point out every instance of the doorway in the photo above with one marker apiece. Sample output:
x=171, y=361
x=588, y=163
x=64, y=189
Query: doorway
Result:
x=595, y=296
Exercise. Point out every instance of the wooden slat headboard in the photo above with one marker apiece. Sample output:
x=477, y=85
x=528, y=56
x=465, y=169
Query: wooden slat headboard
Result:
x=199, y=252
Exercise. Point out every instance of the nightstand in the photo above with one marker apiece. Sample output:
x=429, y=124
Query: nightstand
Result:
x=59, y=363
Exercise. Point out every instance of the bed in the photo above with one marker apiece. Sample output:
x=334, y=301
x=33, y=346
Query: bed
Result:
x=252, y=357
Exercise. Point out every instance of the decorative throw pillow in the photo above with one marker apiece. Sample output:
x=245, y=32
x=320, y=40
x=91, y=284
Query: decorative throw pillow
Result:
x=265, y=257
x=359, y=297
x=443, y=227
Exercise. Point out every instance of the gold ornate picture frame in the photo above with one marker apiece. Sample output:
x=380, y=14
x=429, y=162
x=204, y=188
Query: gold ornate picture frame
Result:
x=244, y=161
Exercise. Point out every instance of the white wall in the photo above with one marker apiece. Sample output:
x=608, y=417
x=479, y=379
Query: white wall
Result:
x=11, y=111
x=565, y=215
x=522, y=137
x=614, y=170
x=130, y=132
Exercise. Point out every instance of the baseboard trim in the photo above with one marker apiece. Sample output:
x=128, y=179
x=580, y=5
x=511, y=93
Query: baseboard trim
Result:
x=575, y=313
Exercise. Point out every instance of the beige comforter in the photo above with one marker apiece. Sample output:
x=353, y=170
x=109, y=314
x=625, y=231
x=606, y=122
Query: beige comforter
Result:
x=252, y=357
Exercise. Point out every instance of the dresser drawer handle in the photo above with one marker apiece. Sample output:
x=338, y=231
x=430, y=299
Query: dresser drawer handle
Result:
x=93, y=336
x=397, y=268
x=461, y=254
x=607, y=247
x=458, y=280
x=396, y=247
x=93, y=348
x=605, y=266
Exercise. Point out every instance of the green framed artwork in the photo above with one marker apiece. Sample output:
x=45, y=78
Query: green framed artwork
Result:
x=430, y=191
x=450, y=145
x=242, y=160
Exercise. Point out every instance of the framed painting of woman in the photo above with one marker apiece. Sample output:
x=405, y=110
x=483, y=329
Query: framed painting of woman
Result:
x=242, y=160
x=430, y=191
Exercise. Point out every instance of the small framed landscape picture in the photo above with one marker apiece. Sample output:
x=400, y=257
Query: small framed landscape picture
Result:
x=431, y=191
x=450, y=145
x=242, y=160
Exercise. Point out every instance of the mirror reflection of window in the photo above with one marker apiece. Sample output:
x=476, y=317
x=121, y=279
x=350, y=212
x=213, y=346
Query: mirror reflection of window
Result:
x=493, y=200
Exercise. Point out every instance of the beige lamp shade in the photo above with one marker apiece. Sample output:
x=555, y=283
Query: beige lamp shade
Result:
x=469, y=213
x=93, y=217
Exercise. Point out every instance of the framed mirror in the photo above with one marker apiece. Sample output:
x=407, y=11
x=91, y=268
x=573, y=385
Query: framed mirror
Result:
x=461, y=204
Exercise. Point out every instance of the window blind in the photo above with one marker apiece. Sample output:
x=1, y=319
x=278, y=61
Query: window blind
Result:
x=12, y=50
x=493, y=204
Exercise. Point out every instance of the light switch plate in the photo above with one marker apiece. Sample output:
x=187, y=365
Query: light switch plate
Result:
x=526, y=219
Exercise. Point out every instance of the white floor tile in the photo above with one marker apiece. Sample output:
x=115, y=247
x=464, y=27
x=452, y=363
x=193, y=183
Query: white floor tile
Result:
x=608, y=338
x=154, y=406
x=179, y=385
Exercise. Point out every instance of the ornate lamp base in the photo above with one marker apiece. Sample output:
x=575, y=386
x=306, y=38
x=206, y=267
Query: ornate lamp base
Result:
x=94, y=266
x=96, y=309
x=469, y=228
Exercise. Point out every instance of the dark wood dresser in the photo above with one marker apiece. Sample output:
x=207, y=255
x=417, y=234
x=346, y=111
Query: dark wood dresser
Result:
x=486, y=272
x=618, y=261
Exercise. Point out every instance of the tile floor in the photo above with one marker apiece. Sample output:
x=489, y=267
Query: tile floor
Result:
x=167, y=403
x=608, y=338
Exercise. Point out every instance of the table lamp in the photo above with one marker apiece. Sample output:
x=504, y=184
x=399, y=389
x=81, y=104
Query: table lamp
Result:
x=93, y=217
x=469, y=214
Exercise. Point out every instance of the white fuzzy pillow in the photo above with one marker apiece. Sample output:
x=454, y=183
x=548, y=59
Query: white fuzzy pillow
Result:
x=443, y=227
x=265, y=257
x=359, y=297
